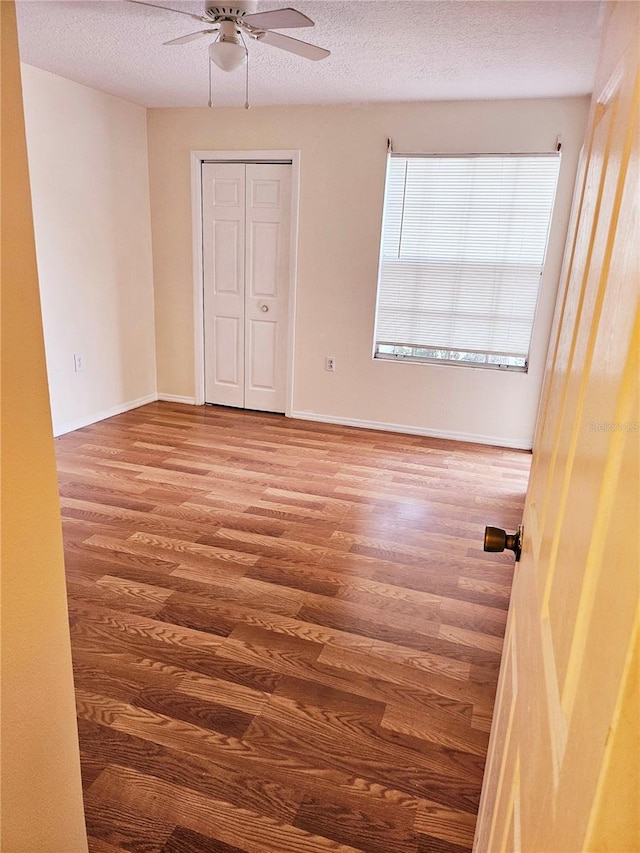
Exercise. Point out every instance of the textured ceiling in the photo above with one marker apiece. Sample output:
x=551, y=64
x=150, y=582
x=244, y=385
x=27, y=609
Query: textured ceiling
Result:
x=381, y=50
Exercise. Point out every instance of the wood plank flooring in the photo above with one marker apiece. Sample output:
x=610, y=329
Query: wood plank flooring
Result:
x=286, y=636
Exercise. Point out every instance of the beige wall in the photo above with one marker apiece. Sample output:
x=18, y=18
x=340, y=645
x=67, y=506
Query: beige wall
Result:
x=89, y=182
x=343, y=151
x=40, y=769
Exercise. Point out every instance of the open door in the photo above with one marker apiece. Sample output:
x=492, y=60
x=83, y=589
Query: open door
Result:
x=562, y=769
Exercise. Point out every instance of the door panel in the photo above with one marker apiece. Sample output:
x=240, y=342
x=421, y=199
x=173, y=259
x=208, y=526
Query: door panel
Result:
x=262, y=356
x=227, y=248
x=263, y=259
x=574, y=609
x=580, y=475
x=267, y=289
x=227, y=337
x=223, y=205
x=246, y=260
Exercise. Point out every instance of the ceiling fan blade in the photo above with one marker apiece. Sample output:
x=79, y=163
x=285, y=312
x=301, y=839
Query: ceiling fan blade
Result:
x=278, y=19
x=302, y=48
x=167, y=9
x=190, y=37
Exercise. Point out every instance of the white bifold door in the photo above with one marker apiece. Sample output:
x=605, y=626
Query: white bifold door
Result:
x=246, y=218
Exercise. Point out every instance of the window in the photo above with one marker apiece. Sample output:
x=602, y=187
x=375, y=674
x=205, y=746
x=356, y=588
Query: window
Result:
x=461, y=257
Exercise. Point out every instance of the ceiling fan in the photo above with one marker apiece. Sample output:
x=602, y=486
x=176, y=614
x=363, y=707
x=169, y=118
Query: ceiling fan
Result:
x=232, y=22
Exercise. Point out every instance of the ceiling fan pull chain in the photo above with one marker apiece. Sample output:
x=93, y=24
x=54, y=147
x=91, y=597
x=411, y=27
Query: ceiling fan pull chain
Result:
x=246, y=83
x=210, y=98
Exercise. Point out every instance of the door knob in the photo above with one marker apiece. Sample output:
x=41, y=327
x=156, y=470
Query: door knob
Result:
x=496, y=539
x=263, y=307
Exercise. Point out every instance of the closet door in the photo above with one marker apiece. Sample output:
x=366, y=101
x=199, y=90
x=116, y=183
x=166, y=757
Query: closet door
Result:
x=247, y=247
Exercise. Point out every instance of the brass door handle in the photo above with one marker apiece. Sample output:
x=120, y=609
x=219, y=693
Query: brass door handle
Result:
x=496, y=539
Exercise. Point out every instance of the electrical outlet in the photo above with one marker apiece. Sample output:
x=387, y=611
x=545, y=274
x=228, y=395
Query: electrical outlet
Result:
x=330, y=363
x=78, y=362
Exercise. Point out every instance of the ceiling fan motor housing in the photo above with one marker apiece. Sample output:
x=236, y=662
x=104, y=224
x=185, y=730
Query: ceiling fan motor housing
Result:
x=237, y=9
x=229, y=32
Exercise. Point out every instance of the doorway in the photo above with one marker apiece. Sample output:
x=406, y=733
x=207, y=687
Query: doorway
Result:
x=246, y=229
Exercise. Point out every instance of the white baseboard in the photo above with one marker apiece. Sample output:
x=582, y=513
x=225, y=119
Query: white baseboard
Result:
x=303, y=416
x=175, y=398
x=412, y=430
x=101, y=416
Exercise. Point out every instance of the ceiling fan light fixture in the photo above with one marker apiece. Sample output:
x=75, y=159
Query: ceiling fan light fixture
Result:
x=227, y=55
x=228, y=52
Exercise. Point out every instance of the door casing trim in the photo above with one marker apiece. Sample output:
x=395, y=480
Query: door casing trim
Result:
x=261, y=156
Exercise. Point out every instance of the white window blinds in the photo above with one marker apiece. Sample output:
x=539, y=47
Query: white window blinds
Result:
x=463, y=246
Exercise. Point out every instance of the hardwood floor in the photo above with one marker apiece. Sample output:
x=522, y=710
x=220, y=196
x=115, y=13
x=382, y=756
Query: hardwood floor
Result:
x=286, y=636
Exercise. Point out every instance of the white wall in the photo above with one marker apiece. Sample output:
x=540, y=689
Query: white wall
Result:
x=89, y=181
x=343, y=151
